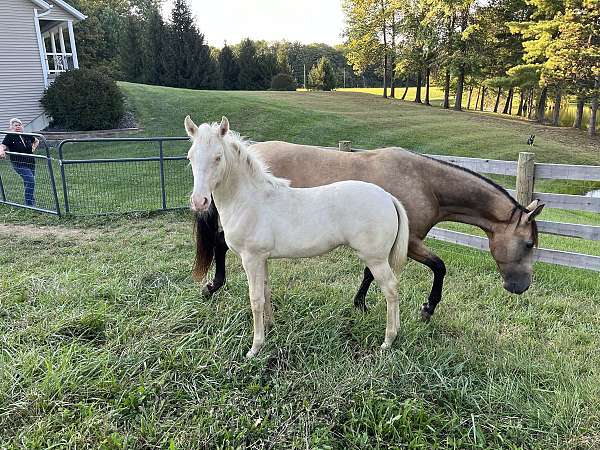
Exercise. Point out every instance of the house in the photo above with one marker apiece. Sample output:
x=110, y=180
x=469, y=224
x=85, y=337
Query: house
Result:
x=36, y=44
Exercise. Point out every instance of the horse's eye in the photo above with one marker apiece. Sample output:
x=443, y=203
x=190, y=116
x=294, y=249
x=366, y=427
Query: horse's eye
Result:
x=218, y=158
x=529, y=244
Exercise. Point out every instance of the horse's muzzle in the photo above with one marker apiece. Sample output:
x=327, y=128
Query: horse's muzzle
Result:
x=516, y=287
x=199, y=203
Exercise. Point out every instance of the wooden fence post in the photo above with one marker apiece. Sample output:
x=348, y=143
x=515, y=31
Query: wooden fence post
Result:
x=525, y=177
x=345, y=146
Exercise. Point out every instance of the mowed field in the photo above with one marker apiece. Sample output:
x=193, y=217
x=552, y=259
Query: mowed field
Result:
x=106, y=342
x=436, y=98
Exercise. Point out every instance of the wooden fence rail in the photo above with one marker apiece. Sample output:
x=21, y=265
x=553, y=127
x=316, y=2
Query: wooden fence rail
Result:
x=527, y=171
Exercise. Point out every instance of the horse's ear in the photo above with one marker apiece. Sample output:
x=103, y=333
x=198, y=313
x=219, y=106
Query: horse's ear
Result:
x=190, y=126
x=224, y=127
x=534, y=210
x=532, y=205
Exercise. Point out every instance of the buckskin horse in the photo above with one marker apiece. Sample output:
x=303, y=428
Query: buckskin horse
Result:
x=431, y=191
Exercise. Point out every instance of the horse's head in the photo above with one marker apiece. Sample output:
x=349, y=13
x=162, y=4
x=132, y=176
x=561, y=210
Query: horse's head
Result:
x=512, y=247
x=207, y=158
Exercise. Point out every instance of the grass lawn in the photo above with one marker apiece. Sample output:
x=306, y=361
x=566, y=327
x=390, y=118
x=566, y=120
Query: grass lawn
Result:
x=106, y=343
x=436, y=98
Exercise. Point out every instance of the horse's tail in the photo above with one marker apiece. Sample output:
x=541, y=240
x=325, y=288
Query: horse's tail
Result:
x=398, y=254
x=206, y=230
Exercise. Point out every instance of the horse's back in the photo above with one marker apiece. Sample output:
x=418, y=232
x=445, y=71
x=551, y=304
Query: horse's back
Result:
x=403, y=174
x=353, y=210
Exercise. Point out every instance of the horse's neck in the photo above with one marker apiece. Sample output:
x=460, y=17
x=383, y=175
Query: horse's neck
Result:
x=236, y=193
x=469, y=199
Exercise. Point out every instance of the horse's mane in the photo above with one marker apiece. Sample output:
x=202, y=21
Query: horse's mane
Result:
x=236, y=152
x=517, y=207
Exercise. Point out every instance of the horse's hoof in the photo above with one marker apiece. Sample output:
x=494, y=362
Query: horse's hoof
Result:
x=206, y=292
x=425, y=315
x=251, y=353
x=385, y=346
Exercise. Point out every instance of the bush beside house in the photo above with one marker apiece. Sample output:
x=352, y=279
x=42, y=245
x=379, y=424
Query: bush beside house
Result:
x=83, y=100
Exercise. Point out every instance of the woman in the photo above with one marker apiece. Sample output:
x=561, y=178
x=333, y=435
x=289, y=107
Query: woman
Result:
x=23, y=165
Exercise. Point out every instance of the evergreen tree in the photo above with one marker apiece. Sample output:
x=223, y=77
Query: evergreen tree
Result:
x=230, y=68
x=267, y=68
x=249, y=74
x=321, y=76
x=189, y=62
x=131, y=61
x=154, y=54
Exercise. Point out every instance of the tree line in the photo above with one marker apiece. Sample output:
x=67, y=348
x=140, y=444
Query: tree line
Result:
x=535, y=53
x=131, y=40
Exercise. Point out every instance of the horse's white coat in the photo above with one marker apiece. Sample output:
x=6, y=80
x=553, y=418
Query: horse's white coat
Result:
x=263, y=218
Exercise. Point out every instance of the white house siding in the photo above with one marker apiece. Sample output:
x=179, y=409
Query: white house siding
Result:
x=21, y=75
x=58, y=13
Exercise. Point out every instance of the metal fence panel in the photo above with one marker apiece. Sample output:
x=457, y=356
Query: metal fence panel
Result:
x=154, y=178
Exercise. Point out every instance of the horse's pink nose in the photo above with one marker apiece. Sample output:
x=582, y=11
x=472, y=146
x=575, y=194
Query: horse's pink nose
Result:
x=199, y=202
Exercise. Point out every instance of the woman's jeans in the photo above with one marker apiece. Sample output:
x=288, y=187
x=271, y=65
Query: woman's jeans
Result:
x=27, y=172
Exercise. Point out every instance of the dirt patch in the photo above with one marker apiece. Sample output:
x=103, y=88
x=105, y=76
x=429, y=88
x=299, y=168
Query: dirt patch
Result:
x=41, y=231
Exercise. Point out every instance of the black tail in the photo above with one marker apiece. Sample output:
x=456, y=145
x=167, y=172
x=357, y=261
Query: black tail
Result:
x=205, y=233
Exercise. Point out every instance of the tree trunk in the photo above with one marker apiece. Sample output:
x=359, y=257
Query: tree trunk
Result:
x=593, y=113
x=461, y=71
x=447, y=74
x=459, y=89
x=579, y=113
x=506, y=108
x=477, y=99
x=556, y=112
x=385, y=53
x=510, y=104
x=405, y=87
x=393, y=59
x=427, y=74
x=447, y=89
x=531, y=113
x=470, y=95
x=497, y=100
x=521, y=102
x=418, y=92
x=540, y=113
x=481, y=105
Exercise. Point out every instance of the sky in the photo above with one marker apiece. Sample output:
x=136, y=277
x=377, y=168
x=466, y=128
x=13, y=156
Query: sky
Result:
x=306, y=21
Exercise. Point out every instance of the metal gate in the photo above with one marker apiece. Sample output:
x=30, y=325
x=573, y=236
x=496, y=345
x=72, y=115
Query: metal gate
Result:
x=29, y=185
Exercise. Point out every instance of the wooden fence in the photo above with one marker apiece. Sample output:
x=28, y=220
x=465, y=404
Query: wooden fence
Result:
x=526, y=171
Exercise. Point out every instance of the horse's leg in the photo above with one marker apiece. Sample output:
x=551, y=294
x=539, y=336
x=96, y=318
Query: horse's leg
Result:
x=219, y=278
x=359, y=298
x=384, y=275
x=268, y=305
x=254, y=267
x=419, y=252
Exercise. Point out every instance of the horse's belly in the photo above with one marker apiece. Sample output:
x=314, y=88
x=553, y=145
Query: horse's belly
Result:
x=304, y=248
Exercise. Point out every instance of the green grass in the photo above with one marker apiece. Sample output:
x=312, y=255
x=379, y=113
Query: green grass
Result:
x=106, y=343
x=436, y=94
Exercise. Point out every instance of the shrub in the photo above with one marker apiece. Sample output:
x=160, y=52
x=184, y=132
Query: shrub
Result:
x=83, y=100
x=283, y=82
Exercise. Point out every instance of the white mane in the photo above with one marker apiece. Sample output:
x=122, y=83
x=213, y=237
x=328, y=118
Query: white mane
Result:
x=237, y=154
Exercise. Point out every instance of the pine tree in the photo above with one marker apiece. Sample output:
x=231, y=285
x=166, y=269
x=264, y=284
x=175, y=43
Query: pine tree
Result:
x=248, y=75
x=154, y=67
x=131, y=61
x=189, y=62
x=230, y=69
